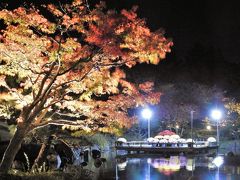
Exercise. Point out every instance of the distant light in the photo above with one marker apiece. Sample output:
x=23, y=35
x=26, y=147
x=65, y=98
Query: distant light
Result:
x=209, y=127
x=177, y=126
x=190, y=166
x=149, y=160
x=122, y=166
x=216, y=114
x=146, y=113
x=218, y=161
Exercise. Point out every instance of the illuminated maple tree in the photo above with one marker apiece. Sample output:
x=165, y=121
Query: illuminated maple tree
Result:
x=233, y=107
x=64, y=69
x=233, y=115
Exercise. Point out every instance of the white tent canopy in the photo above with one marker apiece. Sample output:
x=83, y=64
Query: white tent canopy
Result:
x=122, y=140
x=190, y=140
x=181, y=140
x=158, y=137
x=153, y=140
x=211, y=139
x=166, y=137
x=163, y=141
x=172, y=140
x=175, y=136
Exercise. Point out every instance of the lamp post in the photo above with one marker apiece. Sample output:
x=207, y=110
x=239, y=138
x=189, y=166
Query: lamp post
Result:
x=216, y=115
x=192, y=125
x=147, y=114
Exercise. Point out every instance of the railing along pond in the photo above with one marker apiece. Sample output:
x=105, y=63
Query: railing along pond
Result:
x=160, y=147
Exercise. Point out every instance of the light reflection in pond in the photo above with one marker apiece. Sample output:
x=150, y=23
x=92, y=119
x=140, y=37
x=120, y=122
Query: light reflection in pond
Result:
x=174, y=168
x=167, y=166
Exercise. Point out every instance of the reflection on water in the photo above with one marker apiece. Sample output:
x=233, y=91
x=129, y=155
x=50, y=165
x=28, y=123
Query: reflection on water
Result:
x=154, y=167
x=170, y=165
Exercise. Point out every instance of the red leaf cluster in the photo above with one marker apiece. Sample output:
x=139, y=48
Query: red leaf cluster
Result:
x=77, y=59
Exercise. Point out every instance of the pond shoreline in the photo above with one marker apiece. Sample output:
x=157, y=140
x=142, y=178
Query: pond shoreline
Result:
x=46, y=176
x=229, y=160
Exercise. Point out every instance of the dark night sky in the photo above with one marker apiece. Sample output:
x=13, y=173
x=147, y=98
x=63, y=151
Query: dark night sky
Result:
x=212, y=23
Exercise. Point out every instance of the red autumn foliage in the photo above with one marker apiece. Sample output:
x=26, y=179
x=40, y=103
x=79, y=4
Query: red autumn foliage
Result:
x=58, y=73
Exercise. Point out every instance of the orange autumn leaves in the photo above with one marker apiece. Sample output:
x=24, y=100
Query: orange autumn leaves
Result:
x=73, y=61
x=128, y=36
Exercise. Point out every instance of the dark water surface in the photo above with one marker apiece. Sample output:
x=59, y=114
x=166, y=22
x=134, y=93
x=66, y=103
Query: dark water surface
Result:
x=155, y=167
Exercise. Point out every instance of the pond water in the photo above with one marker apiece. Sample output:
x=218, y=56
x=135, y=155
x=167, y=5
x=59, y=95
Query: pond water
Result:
x=155, y=167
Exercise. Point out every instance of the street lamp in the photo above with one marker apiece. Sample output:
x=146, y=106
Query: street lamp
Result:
x=192, y=125
x=216, y=115
x=147, y=114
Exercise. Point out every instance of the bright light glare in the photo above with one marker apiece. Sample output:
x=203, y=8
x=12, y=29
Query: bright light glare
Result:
x=122, y=166
x=209, y=127
x=146, y=113
x=177, y=126
x=190, y=166
x=149, y=160
x=216, y=114
x=218, y=161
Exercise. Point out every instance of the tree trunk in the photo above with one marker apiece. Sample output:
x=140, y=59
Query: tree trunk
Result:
x=13, y=148
x=182, y=129
x=42, y=153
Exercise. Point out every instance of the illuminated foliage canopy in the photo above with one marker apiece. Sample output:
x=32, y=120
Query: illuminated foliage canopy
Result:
x=68, y=65
x=63, y=67
x=233, y=114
